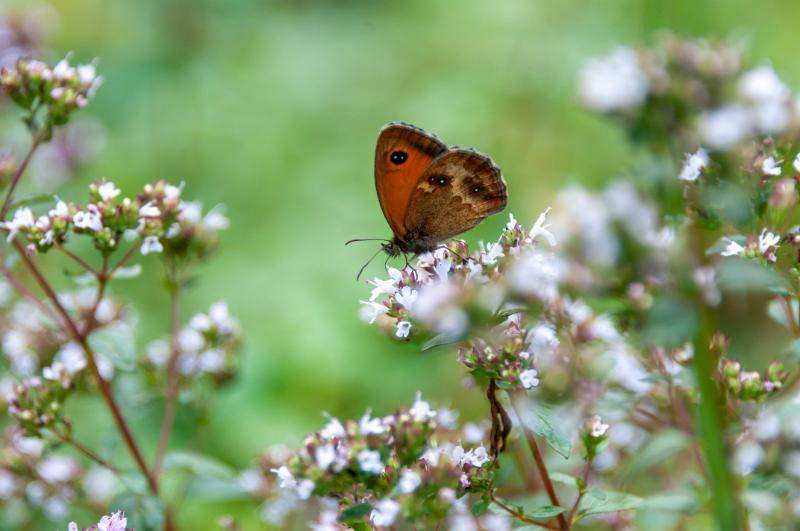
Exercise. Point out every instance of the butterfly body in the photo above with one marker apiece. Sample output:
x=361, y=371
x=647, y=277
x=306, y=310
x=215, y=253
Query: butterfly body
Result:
x=430, y=192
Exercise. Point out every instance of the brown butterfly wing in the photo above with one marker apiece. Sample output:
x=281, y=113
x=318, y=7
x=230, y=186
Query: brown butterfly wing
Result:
x=457, y=191
x=395, y=182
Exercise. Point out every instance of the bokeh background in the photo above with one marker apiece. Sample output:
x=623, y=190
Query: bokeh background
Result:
x=272, y=109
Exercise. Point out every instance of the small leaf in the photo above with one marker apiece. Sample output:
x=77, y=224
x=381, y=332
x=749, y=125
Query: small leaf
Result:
x=440, y=340
x=545, y=511
x=597, y=501
x=479, y=507
x=742, y=275
x=198, y=464
x=30, y=200
x=776, y=310
x=658, y=449
x=564, y=479
x=355, y=512
x=539, y=419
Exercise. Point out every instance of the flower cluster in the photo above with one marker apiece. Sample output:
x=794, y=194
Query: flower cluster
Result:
x=207, y=345
x=113, y=522
x=751, y=385
x=33, y=85
x=409, y=464
x=157, y=217
x=690, y=92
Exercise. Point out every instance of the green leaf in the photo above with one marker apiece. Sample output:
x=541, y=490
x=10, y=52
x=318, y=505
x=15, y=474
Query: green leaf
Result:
x=539, y=418
x=479, y=507
x=597, y=501
x=670, y=322
x=679, y=501
x=775, y=309
x=199, y=465
x=440, y=340
x=743, y=275
x=355, y=512
x=30, y=200
x=658, y=449
x=564, y=479
x=545, y=511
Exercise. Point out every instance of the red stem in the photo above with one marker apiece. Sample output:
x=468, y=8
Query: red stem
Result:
x=37, y=140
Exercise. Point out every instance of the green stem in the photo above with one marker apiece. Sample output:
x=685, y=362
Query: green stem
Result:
x=724, y=500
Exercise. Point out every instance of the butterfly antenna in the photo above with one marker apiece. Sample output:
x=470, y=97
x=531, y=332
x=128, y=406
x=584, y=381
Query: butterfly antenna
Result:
x=348, y=242
x=358, y=276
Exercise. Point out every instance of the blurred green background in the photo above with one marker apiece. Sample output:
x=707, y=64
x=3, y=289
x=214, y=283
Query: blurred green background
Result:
x=272, y=108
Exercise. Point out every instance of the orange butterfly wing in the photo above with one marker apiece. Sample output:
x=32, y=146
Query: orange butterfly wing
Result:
x=402, y=155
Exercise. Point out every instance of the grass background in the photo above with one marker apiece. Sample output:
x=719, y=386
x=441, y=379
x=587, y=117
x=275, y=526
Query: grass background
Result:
x=272, y=108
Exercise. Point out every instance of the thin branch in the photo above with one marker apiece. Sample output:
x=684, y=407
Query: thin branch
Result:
x=37, y=140
x=125, y=258
x=77, y=259
x=517, y=515
x=173, y=384
x=585, y=478
x=105, y=388
x=102, y=282
x=540, y=465
x=67, y=439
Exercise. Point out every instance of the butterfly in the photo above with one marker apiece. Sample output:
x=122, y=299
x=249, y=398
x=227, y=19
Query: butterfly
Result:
x=430, y=192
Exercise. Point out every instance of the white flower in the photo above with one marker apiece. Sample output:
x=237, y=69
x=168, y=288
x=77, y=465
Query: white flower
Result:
x=771, y=167
x=304, y=489
x=732, y=248
x=762, y=85
x=372, y=310
x=23, y=219
x=388, y=287
x=325, y=455
x=694, y=165
x=724, y=127
x=473, y=433
x=403, y=329
x=542, y=338
x=615, y=82
x=595, y=426
x=529, y=378
x=409, y=481
x=149, y=210
x=768, y=244
x=333, y=429
x=114, y=522
x=385, y=513
x=476, y=457
x=512, y=222
x=370, y=461
x=406, y=297
x=421, y=410
x=56, y=469
x=151, y=244
x=442, y=269
x=107, y=191
x=173, y=192
x=492, y=253
x=62, y=70
x=796, y=163
x=536, y=273
x=88, y=219
x=540, y=229
x=369, y=425
x=60, y=211
x=216, y=220
x=747, y=457
x=285, y=477
x=495, y=522
x=250, y=481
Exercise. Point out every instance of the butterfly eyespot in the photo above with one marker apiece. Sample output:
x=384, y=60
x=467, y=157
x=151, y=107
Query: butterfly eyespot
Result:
x=398, y=157
x=476, y=189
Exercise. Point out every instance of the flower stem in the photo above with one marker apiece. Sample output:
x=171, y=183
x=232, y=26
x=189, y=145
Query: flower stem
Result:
x=67, y=439
x=517, y=515
x=542, y=468
x=585, y=478
x=173, y=386
x=37, y=140
x=724, y=501
x=77, y=259
x=105, y=388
